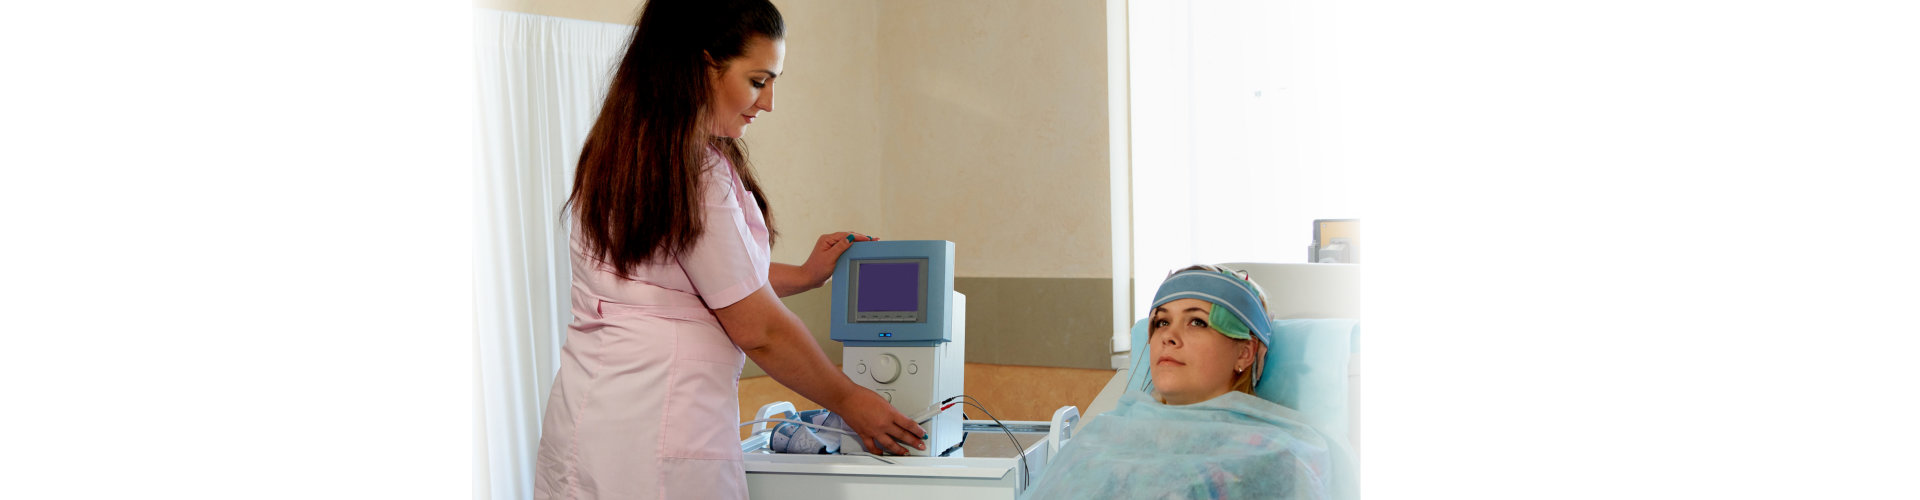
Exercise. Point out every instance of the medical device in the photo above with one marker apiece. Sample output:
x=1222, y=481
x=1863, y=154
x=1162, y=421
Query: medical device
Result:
x=904, y=330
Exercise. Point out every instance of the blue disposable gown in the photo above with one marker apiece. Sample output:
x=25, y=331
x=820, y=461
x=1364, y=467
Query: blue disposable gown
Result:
x=1232, y=446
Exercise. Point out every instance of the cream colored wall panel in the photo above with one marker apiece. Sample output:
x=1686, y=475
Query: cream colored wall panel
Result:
x=997, y=133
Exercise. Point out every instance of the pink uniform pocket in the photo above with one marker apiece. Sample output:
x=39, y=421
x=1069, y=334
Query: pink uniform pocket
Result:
x=703, y=393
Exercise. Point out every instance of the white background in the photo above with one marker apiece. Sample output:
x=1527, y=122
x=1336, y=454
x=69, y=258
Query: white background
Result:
x=237, y=253
x=1621, y=249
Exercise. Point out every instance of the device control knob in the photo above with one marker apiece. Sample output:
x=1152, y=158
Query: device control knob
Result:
x=886, y=369
x=913, y=368
x=860, y=368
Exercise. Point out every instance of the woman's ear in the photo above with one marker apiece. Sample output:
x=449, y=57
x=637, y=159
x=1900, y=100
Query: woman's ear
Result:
x=1249, y=351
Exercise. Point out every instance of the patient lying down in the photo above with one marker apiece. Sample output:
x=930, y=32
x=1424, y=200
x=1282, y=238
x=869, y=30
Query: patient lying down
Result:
x=1201, y=433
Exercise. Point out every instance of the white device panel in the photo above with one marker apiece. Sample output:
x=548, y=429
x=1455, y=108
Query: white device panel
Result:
x=914, y=378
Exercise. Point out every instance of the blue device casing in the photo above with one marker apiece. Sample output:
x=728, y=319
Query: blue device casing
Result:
x=931, y=328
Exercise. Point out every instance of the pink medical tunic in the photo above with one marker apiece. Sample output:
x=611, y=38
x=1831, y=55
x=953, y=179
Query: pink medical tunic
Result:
x=646, y=401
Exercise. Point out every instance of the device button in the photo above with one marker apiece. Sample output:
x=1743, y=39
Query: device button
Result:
x=913, y=368
x=886, y=369
x=860, y=368
x=887, y=395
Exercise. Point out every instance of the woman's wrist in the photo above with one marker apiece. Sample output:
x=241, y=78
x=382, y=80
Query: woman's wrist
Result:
x=814, y=274
x=840, y=394
x=825, y=274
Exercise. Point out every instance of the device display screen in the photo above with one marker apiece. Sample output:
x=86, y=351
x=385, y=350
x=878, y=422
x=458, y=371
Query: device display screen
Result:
x=889, y=290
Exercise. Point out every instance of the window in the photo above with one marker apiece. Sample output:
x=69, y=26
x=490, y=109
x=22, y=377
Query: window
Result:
x=1233, y=127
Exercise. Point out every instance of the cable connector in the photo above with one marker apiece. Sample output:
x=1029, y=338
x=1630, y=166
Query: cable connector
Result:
x=932, y=411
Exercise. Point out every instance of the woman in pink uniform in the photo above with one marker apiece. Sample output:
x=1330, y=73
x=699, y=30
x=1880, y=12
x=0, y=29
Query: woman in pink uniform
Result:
x=672, y=287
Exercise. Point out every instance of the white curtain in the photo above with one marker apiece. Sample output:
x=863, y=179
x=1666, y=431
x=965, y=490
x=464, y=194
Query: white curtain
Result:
x=541, y=80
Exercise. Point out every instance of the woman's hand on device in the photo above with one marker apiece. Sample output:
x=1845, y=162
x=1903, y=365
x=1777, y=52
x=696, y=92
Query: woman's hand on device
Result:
x=881, y=427
x=826, y=252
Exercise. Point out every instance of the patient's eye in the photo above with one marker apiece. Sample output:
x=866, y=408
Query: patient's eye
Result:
x=1158, y=324
x=1198, y=322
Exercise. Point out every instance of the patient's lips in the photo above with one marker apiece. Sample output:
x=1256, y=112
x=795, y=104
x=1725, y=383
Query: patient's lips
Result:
x=1168, y=361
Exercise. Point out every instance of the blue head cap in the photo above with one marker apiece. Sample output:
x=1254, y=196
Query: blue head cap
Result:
x=1236, y=306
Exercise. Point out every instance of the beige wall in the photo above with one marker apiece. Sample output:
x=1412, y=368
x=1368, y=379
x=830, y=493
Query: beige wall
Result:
x=979, y=122
x=997, y=133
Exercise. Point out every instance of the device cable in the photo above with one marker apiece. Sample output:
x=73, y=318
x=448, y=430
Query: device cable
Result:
x=1019, y=451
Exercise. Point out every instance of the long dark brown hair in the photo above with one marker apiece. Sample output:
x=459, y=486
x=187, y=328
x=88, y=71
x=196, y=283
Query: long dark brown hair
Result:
x=636, y=192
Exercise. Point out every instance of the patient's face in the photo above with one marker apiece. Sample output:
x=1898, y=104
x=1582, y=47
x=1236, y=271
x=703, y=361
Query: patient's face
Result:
x=1191, y=362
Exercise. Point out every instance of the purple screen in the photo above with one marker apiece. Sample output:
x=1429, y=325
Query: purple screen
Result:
x=889, y=286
